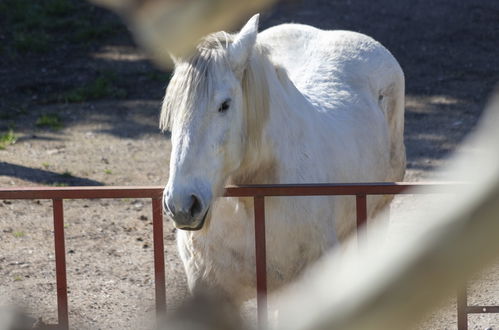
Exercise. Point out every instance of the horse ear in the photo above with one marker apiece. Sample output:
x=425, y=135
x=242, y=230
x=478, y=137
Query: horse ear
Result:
x=240, y=49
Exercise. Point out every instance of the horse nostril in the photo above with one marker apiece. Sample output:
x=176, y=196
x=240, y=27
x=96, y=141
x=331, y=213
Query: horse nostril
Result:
x=196, y=206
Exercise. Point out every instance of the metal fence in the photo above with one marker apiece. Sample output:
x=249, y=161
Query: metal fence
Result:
x=257, y=192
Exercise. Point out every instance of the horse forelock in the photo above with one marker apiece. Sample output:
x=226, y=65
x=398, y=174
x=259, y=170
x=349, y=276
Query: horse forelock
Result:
x=193, y=78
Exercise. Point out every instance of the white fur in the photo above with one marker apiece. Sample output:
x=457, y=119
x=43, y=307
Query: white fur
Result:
x=335, y=108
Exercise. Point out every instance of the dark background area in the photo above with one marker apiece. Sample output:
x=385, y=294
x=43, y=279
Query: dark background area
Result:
x=447, y=49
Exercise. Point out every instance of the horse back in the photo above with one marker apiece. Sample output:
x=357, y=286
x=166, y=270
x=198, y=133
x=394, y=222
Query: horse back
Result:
x=332, y=68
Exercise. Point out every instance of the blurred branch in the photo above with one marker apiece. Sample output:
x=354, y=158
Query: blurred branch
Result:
x=175, y=26
x=395, y=286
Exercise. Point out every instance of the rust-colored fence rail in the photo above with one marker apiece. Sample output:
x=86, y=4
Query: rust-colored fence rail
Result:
x=258, y=192
x=57, y=195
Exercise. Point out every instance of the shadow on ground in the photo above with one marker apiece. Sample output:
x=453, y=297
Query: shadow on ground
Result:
x=43, y=176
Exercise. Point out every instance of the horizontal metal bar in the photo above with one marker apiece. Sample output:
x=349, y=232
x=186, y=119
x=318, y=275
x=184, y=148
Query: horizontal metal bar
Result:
x=50, y=326
x=482, y=309
x=80, y=192
x=374, y=188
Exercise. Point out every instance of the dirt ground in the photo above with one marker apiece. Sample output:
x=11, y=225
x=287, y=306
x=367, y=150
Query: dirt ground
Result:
x=87, y=114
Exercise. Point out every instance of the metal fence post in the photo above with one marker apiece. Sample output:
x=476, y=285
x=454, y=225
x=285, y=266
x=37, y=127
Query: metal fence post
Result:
x=261, y=261
x=159, y=256
x=462, y=309
x=360, y=190
x=361, y=207
x=60, y=264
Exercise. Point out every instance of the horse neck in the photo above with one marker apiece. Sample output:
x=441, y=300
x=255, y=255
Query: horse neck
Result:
x=273, y=108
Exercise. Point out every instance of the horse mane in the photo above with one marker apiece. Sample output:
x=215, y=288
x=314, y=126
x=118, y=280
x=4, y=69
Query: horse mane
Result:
x=256, y=97
x=194, y=77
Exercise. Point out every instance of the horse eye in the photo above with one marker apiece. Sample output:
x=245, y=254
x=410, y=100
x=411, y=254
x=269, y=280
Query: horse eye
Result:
x=224, y=106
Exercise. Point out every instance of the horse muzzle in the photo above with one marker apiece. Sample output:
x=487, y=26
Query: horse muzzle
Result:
x=190, y=226
x=188, y=211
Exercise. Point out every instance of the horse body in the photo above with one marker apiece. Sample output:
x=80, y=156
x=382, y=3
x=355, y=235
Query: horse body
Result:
x=317, y=106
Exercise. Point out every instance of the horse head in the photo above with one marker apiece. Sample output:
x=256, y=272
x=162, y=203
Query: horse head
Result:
x=204, y=108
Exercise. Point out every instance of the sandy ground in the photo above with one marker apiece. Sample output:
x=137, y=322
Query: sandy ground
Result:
x=444, y=48
x=109, y=242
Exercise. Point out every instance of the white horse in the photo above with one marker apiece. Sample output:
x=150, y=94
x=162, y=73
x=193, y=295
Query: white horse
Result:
x=293, y=104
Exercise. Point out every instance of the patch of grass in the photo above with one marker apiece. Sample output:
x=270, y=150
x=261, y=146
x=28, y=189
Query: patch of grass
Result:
x=17, y=278
x=67, y=174
x=52, y=121
x=36, y=41
x=58, y=184
x=37, y=26
x=107, y=171
x=5, y=115
x=58, y=8
x=18, y=234
x=159, y=76
x=27, y=21
x=7, y=139
x=45, y=165
x=12, y=112
x=102, y=87
x=86, y=31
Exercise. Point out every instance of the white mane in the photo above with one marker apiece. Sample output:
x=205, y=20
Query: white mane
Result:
x=192, y=77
